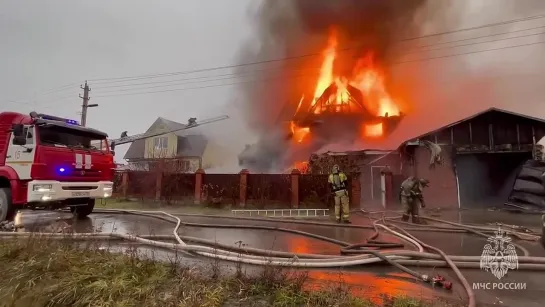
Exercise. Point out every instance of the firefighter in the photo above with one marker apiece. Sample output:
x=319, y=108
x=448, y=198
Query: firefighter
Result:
x=338, y=182
x=412, y=198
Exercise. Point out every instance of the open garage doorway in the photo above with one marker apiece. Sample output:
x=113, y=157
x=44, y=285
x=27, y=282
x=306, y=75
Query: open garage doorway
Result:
x=486, y=179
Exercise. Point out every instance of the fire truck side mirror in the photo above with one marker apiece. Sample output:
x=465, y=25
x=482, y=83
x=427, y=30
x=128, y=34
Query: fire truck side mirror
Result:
x=17, y=129
x=19, y=137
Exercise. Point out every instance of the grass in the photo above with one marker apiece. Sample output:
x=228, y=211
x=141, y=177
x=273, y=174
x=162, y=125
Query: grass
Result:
x=41, y=272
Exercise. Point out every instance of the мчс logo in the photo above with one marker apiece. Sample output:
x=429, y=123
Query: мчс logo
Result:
x=499, y=255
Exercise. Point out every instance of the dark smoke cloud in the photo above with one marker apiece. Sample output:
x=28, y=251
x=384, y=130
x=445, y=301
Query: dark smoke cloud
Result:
x=295, y=27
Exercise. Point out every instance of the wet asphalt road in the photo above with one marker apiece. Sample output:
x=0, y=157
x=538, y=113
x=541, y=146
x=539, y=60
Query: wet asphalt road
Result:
x=368, y=281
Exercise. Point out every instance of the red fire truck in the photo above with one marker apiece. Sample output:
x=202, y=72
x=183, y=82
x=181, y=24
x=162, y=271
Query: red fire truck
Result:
x=48, y=161
x=53, y=162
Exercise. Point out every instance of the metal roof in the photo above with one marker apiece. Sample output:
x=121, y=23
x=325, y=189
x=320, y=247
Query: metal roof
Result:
x=489, y=110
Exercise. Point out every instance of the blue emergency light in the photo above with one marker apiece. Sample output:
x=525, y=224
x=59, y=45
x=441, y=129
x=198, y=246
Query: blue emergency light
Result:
x=56, y=118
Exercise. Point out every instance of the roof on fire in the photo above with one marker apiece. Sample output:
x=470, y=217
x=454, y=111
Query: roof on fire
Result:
x=188, y=145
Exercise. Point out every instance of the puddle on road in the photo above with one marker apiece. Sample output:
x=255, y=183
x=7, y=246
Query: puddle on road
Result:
x=371, y=282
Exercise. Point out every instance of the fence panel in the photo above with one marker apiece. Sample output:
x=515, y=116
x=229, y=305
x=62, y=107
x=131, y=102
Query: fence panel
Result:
x=221, y=189
x=141, y=184
x=271, y=190
x=314, y=191
x=178, y=187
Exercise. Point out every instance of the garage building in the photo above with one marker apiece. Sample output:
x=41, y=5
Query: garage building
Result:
x=481, y=156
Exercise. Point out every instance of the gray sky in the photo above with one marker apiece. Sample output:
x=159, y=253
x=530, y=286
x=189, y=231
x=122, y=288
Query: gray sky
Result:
x=53, y=43
x=48, y=44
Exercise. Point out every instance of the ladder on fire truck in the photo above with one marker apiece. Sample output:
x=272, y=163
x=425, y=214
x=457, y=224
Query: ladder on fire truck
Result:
x=191, y=123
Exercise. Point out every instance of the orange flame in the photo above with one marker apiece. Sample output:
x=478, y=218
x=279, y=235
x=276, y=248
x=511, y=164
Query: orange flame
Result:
x=298, y=133
x=326, y=71
x=372, y=130
x=302, y=166
x=365, y=77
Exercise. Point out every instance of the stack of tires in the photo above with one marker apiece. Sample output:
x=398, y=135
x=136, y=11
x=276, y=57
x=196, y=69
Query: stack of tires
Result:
x=529, y=189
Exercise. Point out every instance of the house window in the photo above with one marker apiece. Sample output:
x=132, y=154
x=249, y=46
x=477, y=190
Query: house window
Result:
x=160, y=142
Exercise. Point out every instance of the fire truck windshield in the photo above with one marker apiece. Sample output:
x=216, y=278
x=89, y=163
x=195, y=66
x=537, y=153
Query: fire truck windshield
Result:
x=51, y=135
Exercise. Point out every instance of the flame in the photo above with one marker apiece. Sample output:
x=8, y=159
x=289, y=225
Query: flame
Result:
x=366, y=77
x=373, y=130
x=302, y=166
x=298, y=133
x=326, y=71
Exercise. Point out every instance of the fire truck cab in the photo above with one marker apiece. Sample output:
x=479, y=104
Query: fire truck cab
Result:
x=52, y=162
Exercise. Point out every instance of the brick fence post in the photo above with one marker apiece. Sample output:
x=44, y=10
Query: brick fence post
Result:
x=355, y=198
x=243, y=187
x=295, y=173
x=199, y=178
x=387, y=174
x=125, y=184
x=158, y=185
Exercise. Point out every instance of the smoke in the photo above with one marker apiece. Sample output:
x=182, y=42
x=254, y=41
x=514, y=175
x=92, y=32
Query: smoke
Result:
x=288, y=29
x=449, y=88
x=301, y=27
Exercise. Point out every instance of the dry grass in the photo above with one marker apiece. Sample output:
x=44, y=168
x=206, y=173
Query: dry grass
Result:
x=39, y=272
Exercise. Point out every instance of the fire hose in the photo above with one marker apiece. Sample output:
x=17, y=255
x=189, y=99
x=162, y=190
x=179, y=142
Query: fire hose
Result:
x=398, y=258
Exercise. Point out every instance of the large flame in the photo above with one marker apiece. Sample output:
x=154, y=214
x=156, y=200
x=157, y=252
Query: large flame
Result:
x=366, y=77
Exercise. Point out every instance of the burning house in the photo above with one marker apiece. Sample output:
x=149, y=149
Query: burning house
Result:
x=349, y=96
x=349, y=108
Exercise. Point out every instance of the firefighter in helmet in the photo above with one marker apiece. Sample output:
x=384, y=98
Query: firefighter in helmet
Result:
x=338, y=182
x=412, y=198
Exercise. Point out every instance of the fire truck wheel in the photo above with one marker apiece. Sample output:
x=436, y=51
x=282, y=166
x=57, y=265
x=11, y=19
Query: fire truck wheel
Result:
x=81, y=212
x=7, y=212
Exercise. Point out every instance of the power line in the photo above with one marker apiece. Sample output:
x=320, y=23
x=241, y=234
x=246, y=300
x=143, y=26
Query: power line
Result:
x=254, y=81
x=202, y=87
x=180, y=83
x=46, y=92
x=139, y=77
x=198, y=78
x=125, y=79
x=236, y=76
x=466, y=53
x=60, y=88
x=422, y=48
x=477, y=43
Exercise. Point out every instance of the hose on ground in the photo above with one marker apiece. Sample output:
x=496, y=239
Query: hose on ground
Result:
x=470, y=230
x=401, y=257
x=155, y=215
x=461, y=277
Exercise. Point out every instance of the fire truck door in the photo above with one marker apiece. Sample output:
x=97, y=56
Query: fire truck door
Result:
x=21, y=157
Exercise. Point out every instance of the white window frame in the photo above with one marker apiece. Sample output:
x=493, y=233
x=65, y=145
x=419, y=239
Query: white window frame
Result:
x=160, y=142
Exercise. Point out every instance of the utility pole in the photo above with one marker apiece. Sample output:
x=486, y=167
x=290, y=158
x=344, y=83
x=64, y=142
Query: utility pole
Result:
x=86, y=89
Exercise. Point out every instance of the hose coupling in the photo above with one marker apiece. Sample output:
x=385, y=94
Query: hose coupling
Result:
x=441, y=282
